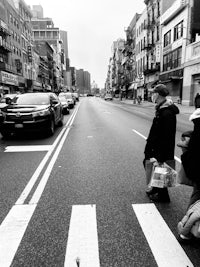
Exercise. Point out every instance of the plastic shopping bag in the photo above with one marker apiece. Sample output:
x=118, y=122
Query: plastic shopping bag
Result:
x=163, y=176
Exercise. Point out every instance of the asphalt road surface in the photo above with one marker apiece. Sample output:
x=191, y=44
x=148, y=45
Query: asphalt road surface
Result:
x=78, y=198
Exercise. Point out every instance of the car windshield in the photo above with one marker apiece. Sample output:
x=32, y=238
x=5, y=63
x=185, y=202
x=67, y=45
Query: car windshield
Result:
x=32, y=99
x=62, y=98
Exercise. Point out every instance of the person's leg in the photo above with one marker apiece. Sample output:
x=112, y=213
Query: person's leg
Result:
x=161, y=195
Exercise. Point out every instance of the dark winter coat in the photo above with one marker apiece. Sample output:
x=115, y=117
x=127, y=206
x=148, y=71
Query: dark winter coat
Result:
x=161, y=140
x=190, y=158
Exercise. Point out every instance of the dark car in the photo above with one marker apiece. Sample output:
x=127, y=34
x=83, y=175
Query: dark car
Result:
x=64, y=103
x=31, y=112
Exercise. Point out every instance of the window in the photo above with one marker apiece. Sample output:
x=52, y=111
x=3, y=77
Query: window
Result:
x=172, y=60
x=158, y=9
x=167, y=38
x=178, y=31
x=157, y=33
x=152, y=37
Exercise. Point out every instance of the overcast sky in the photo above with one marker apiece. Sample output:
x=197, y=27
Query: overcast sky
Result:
x=92, y=26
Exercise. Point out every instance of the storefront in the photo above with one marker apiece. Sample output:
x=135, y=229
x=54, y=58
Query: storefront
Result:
x=22, y=84
x=8, y=83
x=174, y=82
x=37, y=86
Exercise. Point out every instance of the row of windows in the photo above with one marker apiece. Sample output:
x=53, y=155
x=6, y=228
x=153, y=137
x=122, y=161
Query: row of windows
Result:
x=141, y=28
x=154, y=36
x=178, y=33
x=48, y=34
x=172, y=60
x=25, y=29
x=140, y=65
x=13, y=21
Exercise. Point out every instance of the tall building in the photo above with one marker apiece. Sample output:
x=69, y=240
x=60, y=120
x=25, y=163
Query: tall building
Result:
x=141, y=55
x=44, y=31
x=129, y=59
x=153, y=42
x=83, y=81
x=37, y=11
x=63, y=36
x=16, y=49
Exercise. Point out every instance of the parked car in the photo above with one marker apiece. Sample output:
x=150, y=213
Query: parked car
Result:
x=108, y=97
x=76, y=96
x=69, y=98
x=64, y=103
x=31, y=112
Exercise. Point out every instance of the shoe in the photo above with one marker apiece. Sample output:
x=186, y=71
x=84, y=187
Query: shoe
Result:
x=151, y=191
x=157, y=197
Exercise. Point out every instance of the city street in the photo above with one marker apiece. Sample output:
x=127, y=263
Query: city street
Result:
x=78, y=198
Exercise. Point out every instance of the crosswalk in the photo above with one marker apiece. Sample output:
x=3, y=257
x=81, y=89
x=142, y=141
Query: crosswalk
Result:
x=82, y=245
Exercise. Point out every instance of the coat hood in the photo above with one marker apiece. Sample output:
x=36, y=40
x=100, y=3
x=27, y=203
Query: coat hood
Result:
x=195, y=114
x=168, y=103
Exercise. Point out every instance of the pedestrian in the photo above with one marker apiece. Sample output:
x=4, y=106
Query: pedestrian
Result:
x=190, y=161
x=161, y=139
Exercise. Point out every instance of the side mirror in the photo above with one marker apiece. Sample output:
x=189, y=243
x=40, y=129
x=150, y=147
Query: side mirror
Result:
x=8, y=101
x=54, y=102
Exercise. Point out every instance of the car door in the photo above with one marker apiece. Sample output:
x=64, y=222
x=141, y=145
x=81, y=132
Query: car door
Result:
x=56, y=107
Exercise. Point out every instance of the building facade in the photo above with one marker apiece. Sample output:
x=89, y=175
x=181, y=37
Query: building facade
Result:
x=152, y=44
x=44, y=31
x=141, y=55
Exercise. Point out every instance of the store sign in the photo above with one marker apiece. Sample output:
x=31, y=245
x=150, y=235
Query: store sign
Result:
x=157, y=53
x=9, y=78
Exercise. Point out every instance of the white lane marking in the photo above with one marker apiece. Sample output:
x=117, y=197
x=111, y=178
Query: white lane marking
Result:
x=175, y=157
x=36, y=174
x=165, y=248
x=82, y=238
x=89, y=136
x=40, y=188
x=139, y=134
x=15, y=223
x=27, y=148
x=12, y=230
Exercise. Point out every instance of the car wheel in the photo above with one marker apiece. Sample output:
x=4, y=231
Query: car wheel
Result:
x=51, y=129
x=60, y=123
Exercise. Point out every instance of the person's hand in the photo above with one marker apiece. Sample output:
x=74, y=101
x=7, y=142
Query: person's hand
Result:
x=189, y=220
x=154, y=161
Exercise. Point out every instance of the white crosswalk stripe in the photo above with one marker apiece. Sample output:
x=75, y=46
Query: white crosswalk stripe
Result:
x=165, y=248
x=82, y=245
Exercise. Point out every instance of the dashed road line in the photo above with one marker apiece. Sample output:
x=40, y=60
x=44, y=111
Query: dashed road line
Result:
x=144, y=137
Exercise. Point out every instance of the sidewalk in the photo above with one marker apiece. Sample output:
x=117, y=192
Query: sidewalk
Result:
x=187, y=110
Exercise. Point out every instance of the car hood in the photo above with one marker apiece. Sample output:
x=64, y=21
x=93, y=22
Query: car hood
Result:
x=25, y=108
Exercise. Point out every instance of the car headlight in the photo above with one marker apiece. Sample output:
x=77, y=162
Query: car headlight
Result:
x=41, y=113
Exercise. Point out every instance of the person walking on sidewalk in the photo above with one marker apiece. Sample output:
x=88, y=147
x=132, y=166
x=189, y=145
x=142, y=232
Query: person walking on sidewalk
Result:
x=161, y=139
